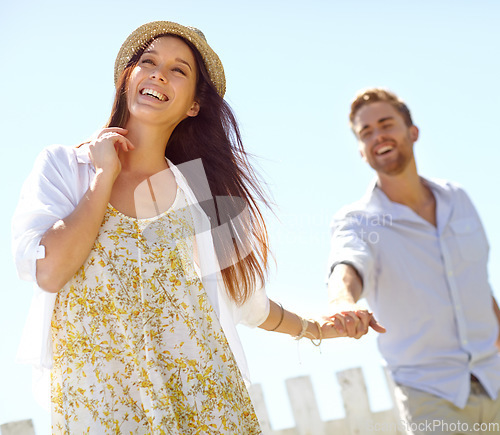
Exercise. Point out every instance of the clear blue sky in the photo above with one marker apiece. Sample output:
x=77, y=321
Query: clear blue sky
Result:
x=292, y=69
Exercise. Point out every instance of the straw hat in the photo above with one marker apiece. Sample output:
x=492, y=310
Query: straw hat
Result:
x=145, y=33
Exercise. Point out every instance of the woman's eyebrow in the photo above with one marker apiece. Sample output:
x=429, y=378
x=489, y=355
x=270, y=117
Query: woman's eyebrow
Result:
x=184, y=62
x=177, y=59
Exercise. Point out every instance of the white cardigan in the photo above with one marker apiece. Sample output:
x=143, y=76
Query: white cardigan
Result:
x=59, y=179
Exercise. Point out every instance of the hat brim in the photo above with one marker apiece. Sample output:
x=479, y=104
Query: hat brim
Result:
x=140, y=37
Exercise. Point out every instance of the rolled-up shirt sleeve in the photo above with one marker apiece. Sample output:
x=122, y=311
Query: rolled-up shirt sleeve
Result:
x=350, y=245
x=47, y=195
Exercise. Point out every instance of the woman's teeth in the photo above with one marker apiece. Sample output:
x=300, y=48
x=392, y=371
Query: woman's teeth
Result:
x=155, y=94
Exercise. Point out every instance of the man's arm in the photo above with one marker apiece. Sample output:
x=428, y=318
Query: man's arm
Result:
x=345, y=287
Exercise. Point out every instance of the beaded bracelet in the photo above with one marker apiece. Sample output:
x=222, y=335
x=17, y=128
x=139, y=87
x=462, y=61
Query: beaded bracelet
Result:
x=281, y=320
x=303, y=332
x=319, y=332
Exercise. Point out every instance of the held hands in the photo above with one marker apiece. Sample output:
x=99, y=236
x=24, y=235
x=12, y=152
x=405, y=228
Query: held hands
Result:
x=352, y=324
x=349, y=321
x=353, y=321
x=345, y=287
x=105, y=147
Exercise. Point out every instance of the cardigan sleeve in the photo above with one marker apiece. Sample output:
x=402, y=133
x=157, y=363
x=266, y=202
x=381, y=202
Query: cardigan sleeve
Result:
x=255, y=310
x=50, y=193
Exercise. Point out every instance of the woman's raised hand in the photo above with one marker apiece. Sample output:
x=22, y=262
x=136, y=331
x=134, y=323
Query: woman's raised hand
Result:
x=105, y=147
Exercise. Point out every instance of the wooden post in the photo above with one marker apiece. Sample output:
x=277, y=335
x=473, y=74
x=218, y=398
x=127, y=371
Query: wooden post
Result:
x=22, y=427
x=304, y=406
x=259, y=404
x=357, y=408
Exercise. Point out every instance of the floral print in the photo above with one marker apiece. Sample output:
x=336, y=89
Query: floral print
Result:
x=137, y=346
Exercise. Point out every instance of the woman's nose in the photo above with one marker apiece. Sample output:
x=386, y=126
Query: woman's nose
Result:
x=158, y=75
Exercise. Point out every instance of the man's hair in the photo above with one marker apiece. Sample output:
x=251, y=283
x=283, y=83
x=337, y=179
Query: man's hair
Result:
x=375, y=95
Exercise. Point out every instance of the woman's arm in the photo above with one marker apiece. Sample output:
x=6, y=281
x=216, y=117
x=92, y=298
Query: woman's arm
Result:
x=68, y=242
x=349, y=321
x=287, y=322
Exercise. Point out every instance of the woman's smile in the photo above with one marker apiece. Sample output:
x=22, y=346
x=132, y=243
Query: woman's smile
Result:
x=154, y=94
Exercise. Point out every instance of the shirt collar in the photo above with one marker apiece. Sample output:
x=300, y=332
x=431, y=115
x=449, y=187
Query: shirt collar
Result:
x=378, y=202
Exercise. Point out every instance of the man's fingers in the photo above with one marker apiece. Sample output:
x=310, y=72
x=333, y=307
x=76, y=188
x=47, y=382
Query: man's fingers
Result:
x=337, y=321
x=369, y=321
x=355, y=324
x=351, y=323
x=377, y=326
x=339, y=325
x=365, y=318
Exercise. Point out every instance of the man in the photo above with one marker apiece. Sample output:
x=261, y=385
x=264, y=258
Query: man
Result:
x=416, y=250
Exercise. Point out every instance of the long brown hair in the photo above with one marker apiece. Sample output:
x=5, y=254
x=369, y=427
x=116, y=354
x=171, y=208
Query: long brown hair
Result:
x=214, y=137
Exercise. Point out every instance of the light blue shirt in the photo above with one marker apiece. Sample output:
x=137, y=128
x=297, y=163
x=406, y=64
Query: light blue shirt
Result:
x=428, y=286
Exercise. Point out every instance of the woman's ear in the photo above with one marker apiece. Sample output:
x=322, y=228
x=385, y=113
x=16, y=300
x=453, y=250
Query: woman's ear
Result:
x=194, y=110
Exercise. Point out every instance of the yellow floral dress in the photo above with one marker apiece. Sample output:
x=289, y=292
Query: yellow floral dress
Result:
x=138, y=348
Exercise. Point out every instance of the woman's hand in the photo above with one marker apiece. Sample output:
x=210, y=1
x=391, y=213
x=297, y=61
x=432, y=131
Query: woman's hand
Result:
x=105, y=147
x=355, y=322
x=69, y=241
x=330, y=328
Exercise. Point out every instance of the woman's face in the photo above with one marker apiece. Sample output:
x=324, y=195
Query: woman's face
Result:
x=161, y=88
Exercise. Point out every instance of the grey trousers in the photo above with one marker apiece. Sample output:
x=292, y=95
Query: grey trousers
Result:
x=424, y=413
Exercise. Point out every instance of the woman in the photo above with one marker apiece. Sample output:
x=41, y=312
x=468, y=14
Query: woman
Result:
x=145, y=267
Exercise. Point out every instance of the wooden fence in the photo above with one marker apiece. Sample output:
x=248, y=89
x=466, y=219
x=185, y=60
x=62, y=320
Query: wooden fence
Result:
x=22, y=427
x=359, y=419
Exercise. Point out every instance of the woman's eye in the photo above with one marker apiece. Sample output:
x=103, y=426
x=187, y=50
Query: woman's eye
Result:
x=147, y=61
x=179, y=70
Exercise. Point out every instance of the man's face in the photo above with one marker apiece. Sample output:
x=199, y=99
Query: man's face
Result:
x=385, y=141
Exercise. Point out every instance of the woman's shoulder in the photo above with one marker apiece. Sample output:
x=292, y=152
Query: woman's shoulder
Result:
x=68, y=167
x=60, y=152
x=62, y=156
